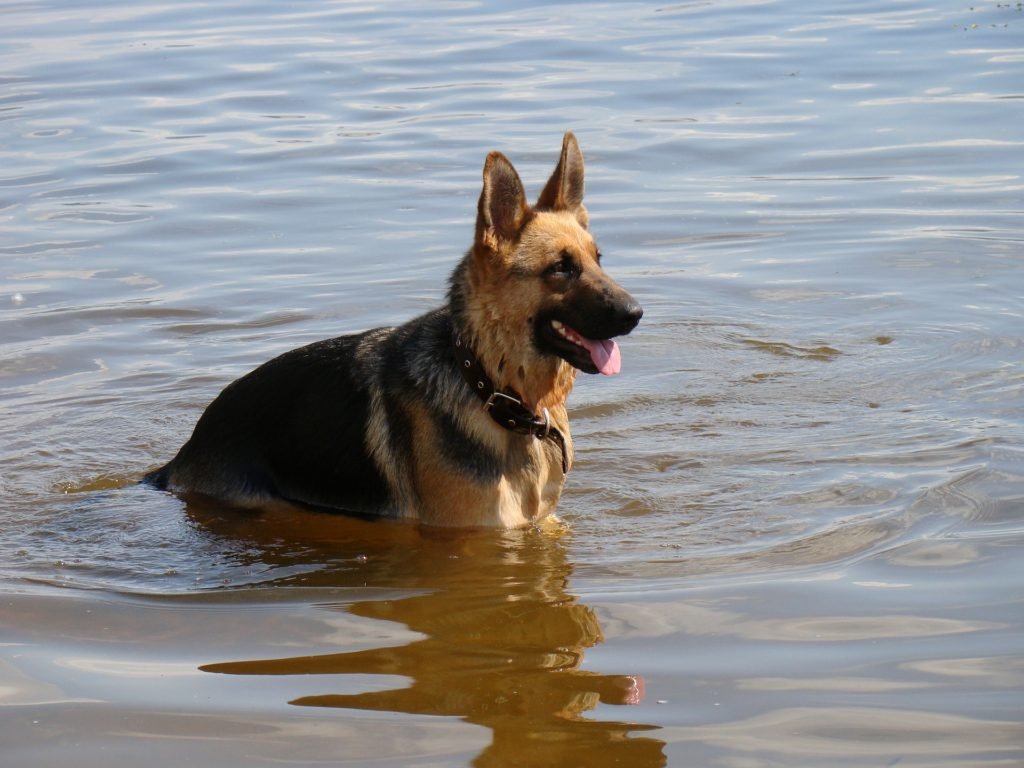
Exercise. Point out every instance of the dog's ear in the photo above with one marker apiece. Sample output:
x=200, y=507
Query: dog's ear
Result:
x=502, y=210
x=564, y=190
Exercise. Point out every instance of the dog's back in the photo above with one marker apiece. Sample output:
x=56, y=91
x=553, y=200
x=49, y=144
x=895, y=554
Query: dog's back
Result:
x=294, y=429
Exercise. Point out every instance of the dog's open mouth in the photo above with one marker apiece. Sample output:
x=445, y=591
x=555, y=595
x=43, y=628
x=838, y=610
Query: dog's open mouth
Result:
x=590, y=355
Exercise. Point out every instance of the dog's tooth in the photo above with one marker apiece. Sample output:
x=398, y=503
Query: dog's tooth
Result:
x=556, y=325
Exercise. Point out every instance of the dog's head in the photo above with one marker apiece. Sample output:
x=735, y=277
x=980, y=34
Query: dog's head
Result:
x=543, y=267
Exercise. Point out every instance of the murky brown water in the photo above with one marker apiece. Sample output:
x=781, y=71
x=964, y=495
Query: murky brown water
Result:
x=794, y=533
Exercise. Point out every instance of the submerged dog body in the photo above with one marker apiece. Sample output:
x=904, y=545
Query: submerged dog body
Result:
x=456, y=418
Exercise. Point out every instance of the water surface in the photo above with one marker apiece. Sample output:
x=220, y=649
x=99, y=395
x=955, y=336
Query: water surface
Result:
x=793, y=535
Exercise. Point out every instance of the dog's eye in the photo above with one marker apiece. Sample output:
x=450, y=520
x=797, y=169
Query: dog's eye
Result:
x=566, y=266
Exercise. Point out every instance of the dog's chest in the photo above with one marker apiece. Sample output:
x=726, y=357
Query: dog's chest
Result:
x=532, y=493
x=522, y=487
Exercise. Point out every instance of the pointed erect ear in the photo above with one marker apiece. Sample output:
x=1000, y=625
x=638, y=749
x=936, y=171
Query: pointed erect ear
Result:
x=502, y=209
x=564, y=190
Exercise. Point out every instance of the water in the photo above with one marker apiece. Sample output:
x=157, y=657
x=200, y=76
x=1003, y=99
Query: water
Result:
x=794, y=532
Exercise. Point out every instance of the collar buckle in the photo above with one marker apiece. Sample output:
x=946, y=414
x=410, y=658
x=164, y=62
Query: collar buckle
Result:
x=493, y=399
x=507, y=410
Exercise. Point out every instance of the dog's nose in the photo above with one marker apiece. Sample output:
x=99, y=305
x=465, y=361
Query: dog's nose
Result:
x=629, y=314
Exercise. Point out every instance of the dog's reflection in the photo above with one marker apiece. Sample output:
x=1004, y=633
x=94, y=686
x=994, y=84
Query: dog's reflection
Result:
x=502, y=646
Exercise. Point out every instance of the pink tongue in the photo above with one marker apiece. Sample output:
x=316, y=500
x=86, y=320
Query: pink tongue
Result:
x=604, y=354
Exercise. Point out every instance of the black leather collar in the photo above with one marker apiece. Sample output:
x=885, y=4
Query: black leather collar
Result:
x=506, y=407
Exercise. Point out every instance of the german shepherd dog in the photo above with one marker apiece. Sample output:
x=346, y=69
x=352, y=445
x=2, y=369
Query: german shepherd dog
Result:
x=456, y=418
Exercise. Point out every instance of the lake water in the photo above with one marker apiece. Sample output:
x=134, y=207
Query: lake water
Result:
x=795, y=530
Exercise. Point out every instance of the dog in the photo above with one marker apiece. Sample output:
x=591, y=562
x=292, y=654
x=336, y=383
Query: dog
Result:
x=456, y=418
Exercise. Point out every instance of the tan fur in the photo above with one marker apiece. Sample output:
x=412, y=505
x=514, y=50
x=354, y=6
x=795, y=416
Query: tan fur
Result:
x=527, y=492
